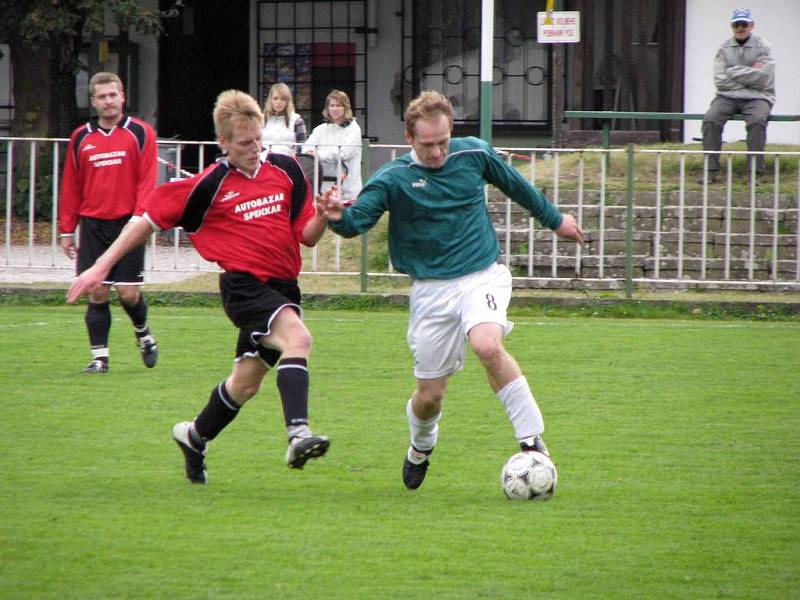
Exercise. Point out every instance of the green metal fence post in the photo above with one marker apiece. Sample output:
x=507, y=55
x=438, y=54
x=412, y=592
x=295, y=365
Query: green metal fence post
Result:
x=364, y=236
x=629, y=228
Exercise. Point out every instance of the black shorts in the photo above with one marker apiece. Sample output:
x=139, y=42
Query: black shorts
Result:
x=95, y=238
x=251, y=305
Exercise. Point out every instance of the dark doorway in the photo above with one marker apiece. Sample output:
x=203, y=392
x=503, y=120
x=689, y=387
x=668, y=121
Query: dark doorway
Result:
x=631, y=58
x=204, y=50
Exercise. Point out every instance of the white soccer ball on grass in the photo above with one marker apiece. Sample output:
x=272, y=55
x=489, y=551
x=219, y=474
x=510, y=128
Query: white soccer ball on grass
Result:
x=529, y=476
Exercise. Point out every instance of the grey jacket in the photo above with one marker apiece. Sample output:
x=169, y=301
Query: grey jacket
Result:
x=736, y=78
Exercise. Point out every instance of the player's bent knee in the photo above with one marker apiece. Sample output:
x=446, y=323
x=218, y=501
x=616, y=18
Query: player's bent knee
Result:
x=100, y=295
x=296, y=342
x=128, y=296
x=487, y=350
x=301, y=339
x=290, y=334
x=430, y=395
x=430, y=404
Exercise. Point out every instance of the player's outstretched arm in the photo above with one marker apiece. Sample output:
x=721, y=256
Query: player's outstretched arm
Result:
x=315, y=228
x=569, y=229
x=330, y=204
x=133, y=235
x=87, y=281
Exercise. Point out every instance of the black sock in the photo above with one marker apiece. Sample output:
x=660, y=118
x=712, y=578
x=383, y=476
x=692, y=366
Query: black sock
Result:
x=217, y=414
x=292, y=382
x=98, y=323
x=138, y=315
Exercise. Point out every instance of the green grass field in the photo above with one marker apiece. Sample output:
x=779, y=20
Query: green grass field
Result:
x=677, y=446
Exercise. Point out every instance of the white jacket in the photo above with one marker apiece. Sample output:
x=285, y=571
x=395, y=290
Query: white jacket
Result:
x=330, y=141
x=277, y=137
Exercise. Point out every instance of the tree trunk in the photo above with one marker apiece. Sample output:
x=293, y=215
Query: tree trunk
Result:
x=123, y=52
x=64, y=68
x=31, y=68
x=63, y=106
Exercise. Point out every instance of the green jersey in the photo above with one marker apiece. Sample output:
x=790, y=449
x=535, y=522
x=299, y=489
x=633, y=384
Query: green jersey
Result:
x=439, y=223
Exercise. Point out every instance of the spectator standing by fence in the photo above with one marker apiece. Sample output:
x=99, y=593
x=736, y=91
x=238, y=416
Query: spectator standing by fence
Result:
x=338, y=138
x=284, y=129
x=110, y=167
x=744, y=76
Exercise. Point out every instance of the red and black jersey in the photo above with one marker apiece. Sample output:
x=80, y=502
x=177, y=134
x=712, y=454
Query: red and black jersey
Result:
x=107, y=174
x=244, y=224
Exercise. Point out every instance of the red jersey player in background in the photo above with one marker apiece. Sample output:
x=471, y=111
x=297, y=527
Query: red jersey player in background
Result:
x=110, y=167
x=248, y=212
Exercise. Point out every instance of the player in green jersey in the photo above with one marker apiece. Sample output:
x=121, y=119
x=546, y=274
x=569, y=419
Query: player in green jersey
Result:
x=441, y=235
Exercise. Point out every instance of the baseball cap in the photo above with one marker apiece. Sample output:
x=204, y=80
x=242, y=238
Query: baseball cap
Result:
x=742, y=14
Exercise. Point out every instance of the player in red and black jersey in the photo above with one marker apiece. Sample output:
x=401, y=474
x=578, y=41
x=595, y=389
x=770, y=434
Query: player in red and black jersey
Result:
x=249, y=213
x=109, y=170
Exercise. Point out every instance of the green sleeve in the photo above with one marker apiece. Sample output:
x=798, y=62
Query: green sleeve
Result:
x=367, y=210
x=516, y=187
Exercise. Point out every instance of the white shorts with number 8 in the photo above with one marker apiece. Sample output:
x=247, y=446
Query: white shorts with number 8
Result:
x=444, y=310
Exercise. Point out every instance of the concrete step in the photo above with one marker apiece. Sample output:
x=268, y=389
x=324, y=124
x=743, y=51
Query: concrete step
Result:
x=669, y=267
x=739, y=197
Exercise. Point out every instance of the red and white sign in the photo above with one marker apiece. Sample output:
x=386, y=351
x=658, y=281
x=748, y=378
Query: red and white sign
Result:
x=563, y=27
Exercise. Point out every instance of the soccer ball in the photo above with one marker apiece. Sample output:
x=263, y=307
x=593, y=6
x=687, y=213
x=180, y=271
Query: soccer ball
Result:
x=529, y=476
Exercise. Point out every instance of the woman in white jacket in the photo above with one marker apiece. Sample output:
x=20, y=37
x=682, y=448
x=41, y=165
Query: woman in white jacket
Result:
x=338, y=139
x=282, y=126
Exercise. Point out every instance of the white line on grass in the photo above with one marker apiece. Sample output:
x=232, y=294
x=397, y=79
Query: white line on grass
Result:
x=660, y=323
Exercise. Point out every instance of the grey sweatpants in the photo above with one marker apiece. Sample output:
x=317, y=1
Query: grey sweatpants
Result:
x=756, y=113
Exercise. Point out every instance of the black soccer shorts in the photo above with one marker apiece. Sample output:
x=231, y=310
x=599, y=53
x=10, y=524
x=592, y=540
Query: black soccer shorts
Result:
x=251, y=305
x=95, y=238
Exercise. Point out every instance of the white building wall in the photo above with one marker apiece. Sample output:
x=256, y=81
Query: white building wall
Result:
x=707, y=26
x=383, y=66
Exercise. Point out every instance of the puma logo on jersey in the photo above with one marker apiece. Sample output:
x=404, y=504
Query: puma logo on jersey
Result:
x=419, y=183
x=229, y=196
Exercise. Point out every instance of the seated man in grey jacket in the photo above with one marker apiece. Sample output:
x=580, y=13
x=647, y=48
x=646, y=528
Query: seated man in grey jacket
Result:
x=744, y=75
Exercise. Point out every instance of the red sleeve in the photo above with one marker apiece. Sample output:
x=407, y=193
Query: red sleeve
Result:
x=148, y=170
x=70, y=200
x=166, y=203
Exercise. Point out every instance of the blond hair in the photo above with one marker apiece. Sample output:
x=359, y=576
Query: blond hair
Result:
x=103, y=78
x=342, y=98
x=283, y=90
x=426, y=106
x=234, y=106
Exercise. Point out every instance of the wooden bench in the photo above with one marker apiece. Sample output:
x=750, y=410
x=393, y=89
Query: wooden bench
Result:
x=609, y=116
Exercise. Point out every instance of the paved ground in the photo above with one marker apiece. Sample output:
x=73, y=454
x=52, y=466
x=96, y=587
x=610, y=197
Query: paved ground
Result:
x=40, y=264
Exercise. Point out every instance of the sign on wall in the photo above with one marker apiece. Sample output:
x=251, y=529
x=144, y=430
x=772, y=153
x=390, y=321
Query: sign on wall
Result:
x=562, y=27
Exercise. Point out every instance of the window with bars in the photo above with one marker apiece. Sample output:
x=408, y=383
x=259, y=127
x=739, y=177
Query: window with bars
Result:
x=441, y=50
x=313, y=47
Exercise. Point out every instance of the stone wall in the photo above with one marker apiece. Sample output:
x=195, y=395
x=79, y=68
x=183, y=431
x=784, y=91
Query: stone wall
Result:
x=736, y=239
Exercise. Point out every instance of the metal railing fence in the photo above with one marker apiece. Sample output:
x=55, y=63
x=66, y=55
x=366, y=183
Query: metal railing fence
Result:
x=649, y=223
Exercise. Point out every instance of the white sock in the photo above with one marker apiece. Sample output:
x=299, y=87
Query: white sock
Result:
x=521, y=408
x=415, y=457
x=424, y=434
x=100, y=352
x=301, y=431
